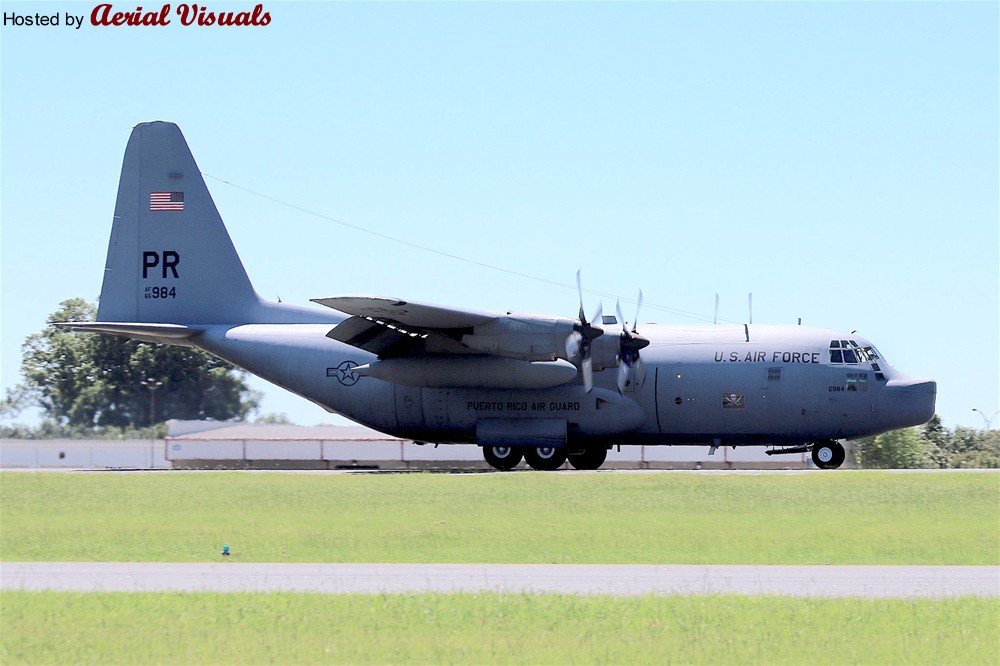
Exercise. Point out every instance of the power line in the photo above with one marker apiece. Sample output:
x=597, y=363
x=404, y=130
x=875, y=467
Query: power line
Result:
x=440, y=253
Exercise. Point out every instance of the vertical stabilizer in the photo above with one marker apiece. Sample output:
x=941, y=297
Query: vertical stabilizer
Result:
x=170, y=259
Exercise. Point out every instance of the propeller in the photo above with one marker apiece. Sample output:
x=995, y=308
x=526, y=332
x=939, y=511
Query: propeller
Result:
x=578, y=343
x=631, y=343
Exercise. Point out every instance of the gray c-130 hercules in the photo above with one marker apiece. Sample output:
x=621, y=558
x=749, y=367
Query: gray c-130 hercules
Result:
x=542, y=388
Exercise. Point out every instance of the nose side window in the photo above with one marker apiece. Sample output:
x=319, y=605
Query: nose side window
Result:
x=857, y=382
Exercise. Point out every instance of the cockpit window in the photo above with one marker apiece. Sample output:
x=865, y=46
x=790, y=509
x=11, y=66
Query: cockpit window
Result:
x=845, y=351
x=850, y=352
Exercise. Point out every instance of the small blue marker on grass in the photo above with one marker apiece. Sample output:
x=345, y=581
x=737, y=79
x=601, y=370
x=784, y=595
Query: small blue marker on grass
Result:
x=225, y=551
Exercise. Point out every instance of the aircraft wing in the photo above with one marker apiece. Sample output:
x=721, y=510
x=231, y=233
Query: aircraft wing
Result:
x=392, y=327
x=408, y=313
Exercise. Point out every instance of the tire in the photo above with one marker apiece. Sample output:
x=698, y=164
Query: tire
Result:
x=591, y=458
x=828, y=455
x=503, y=458
x=545, y=458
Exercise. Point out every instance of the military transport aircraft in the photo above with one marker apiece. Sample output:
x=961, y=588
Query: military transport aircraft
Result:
x=542, y=388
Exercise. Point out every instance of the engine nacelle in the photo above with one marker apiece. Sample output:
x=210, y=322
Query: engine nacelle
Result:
x=536, y=338
x=605, y=351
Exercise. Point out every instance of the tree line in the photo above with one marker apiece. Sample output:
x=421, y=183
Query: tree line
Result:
x=930, y=446
x=93, y=385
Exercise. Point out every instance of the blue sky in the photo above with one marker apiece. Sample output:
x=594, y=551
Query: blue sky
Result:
x=838, y=160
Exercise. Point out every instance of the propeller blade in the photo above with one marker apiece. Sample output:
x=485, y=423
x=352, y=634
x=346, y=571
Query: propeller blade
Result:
x=638, y=306
x=621, y=317
x=578, y=343
x=573, y=341
x=622, y=377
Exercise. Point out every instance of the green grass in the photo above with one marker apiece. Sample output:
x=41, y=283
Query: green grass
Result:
x=833, y=518
x=123, y=628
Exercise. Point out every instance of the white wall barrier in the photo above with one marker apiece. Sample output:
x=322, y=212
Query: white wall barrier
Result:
x=331, y=447
x=83, y=454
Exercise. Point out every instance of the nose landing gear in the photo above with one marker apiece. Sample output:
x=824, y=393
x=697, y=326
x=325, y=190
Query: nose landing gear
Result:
x=828, y=455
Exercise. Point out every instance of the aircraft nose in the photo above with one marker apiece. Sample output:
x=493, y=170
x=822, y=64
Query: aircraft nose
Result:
x=910, y=401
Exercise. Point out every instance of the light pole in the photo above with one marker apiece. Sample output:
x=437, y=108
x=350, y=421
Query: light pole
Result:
x=987, y=421
x=152, y=385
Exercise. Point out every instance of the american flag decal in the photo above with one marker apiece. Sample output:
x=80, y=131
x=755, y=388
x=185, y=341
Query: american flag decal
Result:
x=172, y=201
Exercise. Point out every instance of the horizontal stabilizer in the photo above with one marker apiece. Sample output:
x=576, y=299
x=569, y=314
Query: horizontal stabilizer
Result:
x=134, y=329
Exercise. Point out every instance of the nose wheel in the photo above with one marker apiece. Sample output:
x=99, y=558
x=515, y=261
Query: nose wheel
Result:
x=828, y=455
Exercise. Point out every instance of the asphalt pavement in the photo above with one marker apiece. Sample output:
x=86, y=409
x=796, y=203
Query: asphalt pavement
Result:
x=613, y=579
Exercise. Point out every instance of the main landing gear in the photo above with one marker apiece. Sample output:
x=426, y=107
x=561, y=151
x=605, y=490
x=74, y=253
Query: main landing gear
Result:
x=545, y=458
x=591, y=458
x=502, y=458
x=828, y=454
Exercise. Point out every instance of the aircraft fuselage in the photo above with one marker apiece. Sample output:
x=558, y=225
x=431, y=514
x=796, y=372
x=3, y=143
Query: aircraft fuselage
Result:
x=729, y=385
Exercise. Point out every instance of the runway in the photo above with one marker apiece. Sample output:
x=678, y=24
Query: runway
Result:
x=903, y=582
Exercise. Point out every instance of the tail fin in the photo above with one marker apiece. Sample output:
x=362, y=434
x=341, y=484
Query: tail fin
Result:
x=170, y=259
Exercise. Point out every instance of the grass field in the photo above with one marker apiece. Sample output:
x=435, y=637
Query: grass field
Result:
x=834, y=518
x=122, y=628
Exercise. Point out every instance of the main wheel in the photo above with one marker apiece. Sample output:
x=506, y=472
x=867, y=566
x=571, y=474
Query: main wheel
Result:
x=828, y=455
x=545, y=458
x=590, y=458
x=503, y=458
